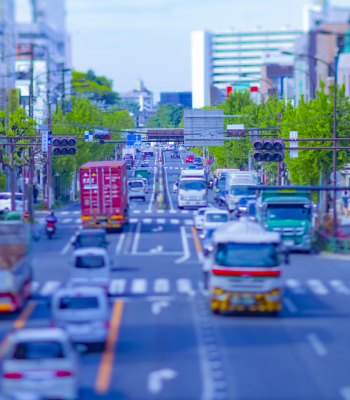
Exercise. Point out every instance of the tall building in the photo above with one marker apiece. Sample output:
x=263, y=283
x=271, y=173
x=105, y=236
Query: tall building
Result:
x=140, y=95
x=234, y=59
x=175, y=98
x=51, y=44
x=7, y=50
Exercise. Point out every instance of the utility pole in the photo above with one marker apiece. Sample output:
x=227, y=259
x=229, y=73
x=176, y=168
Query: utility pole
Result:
x=48, y=122
x=30, y=150
x=63, y=94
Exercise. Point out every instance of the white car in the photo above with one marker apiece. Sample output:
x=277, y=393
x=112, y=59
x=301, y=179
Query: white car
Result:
x=5, y=201
x=199, y=218
x=136, y=189
x=91, y=266
x=41, y=362
x=213, y=218
x=83, y=312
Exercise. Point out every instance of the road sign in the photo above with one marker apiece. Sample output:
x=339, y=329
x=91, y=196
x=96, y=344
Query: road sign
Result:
x=133, y=139
x=44, y=141
x=89, y=135
x=293, y=143
x=27, y=174
x=235, y=130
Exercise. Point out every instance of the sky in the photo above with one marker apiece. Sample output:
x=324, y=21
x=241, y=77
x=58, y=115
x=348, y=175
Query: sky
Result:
x=126, y=40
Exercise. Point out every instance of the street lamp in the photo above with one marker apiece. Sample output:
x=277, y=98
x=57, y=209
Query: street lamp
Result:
x=335, y=228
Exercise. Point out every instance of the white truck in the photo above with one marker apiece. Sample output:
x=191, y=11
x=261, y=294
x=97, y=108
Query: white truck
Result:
x=192, y=189
x=238, y=184
x=129, y=150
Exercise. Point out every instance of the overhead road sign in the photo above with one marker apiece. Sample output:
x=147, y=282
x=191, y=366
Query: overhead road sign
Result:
x=89, y=135
x=171, y=135
x=204, y=127
x=132, y=140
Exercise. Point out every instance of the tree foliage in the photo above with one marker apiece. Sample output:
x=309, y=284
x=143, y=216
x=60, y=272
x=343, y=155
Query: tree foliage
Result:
x=167, y=116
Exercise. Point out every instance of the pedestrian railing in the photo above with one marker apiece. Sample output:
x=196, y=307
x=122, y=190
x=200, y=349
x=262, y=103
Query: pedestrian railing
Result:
x=332, y=244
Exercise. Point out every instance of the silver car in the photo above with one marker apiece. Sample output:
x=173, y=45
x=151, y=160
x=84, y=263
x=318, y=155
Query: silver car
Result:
x=42, y=362
x=83, y=312
x=136, y=189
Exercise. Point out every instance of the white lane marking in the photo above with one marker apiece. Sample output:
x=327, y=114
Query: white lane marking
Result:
x=317, y=286
x=317, y=345
x=160, y=211
x=168, y=191
x=345, y=392
x=148, y=211
x=34, y=286
x=120, y=243
x=147, y=220
x=171, y=167
x=184, y=286
x=136, y=211
x=67, y=220
x=67, y=246
x=295, y=286
x=49, y=287
x=157, y=306
x=339, y=286
x=290, y=305
x=76, y=212
x=161, y=285
x=185, y=246
x=64, y=212
x=160, y=220
x=158, y=229
x=173, y=211
x=117, y=286
x=188, y=222
x=184, y=211
x=136, y=239
x=78, y=221
x=41, y=220
x=139, y=286
x=176, y=168
x=158, y=249
x=154, y=187
x=174, y=221
x=133, y=220
x=155, y=379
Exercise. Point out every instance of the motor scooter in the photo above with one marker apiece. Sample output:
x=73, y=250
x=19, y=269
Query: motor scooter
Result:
x=50, y=228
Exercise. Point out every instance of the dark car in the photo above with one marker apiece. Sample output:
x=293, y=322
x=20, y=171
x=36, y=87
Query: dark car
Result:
x=242, y=205
x=198, y=160
x=221, y=197
x=175, y=154
x=90, y=238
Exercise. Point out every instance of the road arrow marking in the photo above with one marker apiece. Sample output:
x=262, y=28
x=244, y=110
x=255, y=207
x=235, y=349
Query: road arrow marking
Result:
x=155, y=379
x=158, y=305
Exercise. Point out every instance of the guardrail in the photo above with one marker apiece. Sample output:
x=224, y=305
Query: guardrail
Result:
x=332, y=244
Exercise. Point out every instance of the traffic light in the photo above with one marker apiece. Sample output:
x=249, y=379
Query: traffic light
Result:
x=269, y=150
x=64, y=145
x=102, y=135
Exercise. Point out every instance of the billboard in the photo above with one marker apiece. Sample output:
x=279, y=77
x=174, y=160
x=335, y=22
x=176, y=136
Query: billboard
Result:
x=13, y=100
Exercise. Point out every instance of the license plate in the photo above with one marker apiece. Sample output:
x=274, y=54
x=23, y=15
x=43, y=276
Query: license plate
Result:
x=78, y=328
x=38, y=375
x=102, y=222
x=246, y=301
x=50, y=229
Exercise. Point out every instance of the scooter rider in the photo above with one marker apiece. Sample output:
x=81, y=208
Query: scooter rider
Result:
x=51, y=218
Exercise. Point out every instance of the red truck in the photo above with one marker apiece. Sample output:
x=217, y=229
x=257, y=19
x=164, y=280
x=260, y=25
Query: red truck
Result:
x=104, y=194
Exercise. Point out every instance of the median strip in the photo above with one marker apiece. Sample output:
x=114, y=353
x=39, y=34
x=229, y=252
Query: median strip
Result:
x=197, y=244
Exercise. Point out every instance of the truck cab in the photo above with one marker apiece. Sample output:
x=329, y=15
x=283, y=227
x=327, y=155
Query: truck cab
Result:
x=290, y=214
x=192, y=189
x=243, y=269
x=239, y=184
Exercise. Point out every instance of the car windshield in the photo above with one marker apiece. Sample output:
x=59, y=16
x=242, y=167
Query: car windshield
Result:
x=288, y=211
x=91, y=240
x=5, y=196
x=247, y=255
x=217, y=217
x=78, y=303
x=192, y=185
x=197, y=159
x=242, y=190
x=145, y=165
x=220, y=183
x=137, y=184
x=89, y=262
x=192, y=167
x=38, y=350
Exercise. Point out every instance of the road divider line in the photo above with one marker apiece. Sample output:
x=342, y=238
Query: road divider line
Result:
x=49, y=287
x=290, y=305
x=197, y=244
x=105, y=368
x=139, y=286
x=136, y=239
x=25, y=314
x=317, y=286
x=185, y=246
x=317, y=345
x=120, y=243
x=68, y=245
x=154, y=188
x=167, y=190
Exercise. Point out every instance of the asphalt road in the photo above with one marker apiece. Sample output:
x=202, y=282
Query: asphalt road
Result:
x=169, y=345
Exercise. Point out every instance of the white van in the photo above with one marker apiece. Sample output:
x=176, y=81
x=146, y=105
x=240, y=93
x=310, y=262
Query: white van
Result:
x=83, y=312
x=192, y=189
x=136, y=189
x=239, y=184
x=91, y=266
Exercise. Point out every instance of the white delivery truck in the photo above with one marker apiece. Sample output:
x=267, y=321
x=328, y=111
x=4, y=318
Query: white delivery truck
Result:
x=192, y=189
x=220, y=180
x=238, y=184
x=129, y=150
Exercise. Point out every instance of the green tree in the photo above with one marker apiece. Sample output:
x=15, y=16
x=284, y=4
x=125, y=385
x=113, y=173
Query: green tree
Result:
x=167, y=116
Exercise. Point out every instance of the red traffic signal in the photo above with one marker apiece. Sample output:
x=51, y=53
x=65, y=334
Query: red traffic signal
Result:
x=64, y=146
x=268, y=150
x=101, y=134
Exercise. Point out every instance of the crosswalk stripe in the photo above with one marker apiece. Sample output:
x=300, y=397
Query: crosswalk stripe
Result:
x=138, y=286
x=161, y=286
x=339, y=286
x=295, y=286
x=147, y=220
x=76, y=212
x=117, y=286
x=49, y=287
x=160, y=211
x=133, y=220
x=78, y=221
x=174, y=221
x=136, y=211
x=188, y=222
x=64, y=212
x=184, y=212
x=66, y=220
x=317, y=286
x=184, y=285
x=173, y=211
x=160, y=220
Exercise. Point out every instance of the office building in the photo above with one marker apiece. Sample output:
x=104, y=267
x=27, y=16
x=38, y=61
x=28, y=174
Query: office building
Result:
x=140, y=95
x=234, y=59
x=176, y=98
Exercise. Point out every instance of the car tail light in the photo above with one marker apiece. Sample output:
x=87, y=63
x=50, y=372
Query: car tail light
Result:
x=86, y=218
x=50, y=224
x=63, y=374
x=117, y=217
x=13, y=375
